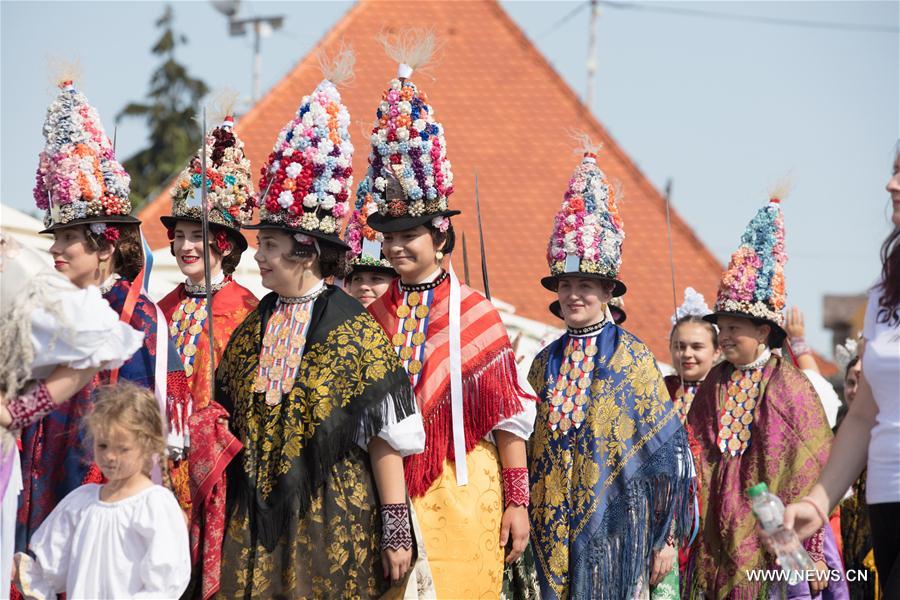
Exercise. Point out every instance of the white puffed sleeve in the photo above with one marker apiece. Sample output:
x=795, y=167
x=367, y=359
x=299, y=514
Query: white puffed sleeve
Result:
x=45, y=575
x=520, y=424
x=165, y=570
x=406, y=436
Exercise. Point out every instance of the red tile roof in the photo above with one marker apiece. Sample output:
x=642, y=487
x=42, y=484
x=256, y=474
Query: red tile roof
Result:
x=507, y=114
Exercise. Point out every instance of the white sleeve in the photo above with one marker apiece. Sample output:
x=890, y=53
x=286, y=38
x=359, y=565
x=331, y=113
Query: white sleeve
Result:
x=406, y=436
x=45, y=575
x=827, y=396
x=521, y=424
x=165, y=570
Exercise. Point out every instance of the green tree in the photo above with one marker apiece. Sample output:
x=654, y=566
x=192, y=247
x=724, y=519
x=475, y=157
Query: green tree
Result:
x=170, y=113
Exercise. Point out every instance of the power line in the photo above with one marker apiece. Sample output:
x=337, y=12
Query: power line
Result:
x=674, y=10
x=565, y=19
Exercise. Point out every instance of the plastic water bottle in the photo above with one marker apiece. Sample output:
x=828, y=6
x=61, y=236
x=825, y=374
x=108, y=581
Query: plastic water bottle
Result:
x=769, y=511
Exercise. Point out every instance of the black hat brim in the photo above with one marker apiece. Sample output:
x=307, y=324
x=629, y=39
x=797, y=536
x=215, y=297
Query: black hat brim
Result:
x=328, y=238
x=618, y=314
x=555, y=309
x=388, y=224
x=372, y=269
x=169, y=222
x=552, y=281
x=109, y=219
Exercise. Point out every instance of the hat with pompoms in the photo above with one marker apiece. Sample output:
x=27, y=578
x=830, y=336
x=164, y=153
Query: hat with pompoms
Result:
x=408, y=165
x=79, y=180
x=365, y=243
x=587, y=231
x=752, y=286
x=229, y=191
x=306, y=183
x=694, y=305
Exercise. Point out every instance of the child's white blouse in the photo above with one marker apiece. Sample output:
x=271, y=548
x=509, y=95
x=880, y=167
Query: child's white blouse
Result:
x=133, y=548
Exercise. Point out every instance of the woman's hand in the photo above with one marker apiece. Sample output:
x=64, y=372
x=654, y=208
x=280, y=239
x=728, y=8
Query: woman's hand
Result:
x=817, y=584
x=5, y=417
x=663, y=562
x=793, y=323
x=514, y=524
x=396, y=564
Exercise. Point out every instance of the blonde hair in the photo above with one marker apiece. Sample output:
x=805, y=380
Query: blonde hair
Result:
x=134, y=409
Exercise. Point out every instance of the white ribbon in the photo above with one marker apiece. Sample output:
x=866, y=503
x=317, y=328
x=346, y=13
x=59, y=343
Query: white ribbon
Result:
x=456, y=391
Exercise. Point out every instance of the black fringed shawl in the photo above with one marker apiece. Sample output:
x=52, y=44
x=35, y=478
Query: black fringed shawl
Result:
x=347, y=371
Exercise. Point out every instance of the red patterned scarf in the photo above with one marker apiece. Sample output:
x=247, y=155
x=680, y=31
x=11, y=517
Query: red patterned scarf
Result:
x=491, y=389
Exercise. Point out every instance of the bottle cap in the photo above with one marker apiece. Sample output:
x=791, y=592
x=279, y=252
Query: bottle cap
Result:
x=757, y=490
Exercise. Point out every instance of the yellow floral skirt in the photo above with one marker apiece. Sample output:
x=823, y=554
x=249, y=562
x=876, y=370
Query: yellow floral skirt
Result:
x=461, y=527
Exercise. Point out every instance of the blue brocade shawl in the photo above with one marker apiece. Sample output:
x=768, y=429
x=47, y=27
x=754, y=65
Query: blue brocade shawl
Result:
x=605, y=495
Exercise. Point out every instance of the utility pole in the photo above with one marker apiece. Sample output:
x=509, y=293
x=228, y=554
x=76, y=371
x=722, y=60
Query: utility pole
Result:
x=261, y=26
x=592, y=54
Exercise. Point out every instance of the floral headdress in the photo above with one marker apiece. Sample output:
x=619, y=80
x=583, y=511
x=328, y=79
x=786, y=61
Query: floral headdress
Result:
x=587, y=231
x=408, y=165
x=845, y=353
x=753, y=283
x=305, y=184
x=79, y=179
x=694, y=306
x=229, y=187
x=365, y=243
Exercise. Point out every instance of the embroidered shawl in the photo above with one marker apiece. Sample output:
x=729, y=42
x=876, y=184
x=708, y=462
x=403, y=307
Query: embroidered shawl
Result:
x=54, y=452
x=212, y=444
x=789, y=445
x=605, y=495
x=491, y=391
x=348, y=370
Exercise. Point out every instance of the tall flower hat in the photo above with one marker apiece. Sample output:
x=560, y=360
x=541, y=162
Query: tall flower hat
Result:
x=79, y=180
x=752, y=286
x=305, y=186
x=411, y=176
x=365, y=243
x=587, y=231
x=694, y=305
x=229, y=194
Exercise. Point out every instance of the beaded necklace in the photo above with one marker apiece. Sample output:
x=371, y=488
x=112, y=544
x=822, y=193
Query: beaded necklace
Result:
x=283, y=344
x=413, y=314
x=741, y=397
x=570, y=395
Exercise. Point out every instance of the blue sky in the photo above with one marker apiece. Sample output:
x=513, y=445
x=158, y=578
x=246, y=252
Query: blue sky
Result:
x=723, y=107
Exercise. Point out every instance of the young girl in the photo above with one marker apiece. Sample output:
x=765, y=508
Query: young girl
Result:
x=694, y=344
x=370, y=272
x=123, y=539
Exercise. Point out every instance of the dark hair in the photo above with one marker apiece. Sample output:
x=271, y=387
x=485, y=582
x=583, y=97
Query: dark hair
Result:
x=889, y=301
x=332, y=261
x=853, y=362
x=699, y=321
x=447, y=237
x=776, y=334
x=128, y=251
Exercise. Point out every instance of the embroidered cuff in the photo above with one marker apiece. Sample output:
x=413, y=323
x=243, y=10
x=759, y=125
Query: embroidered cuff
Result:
x=515, y=486
x=395, y=523
x=30, y=406
x=815, y=545
x=799, y=346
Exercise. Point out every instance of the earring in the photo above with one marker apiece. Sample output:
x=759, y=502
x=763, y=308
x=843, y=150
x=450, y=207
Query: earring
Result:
x=439, y=255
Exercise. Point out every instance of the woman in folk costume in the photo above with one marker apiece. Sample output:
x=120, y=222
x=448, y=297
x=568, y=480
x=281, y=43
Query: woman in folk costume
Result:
x=610, y=482
x=470, y=486
x=694, y=343
x=756, y=418
x=230, y=204
x=370, y=272
x=311, y=383
x=48, y=351
x=97, y=242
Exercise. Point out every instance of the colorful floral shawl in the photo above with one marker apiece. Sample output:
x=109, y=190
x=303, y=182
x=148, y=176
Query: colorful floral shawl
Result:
x=605, y=495
x=789, y=445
